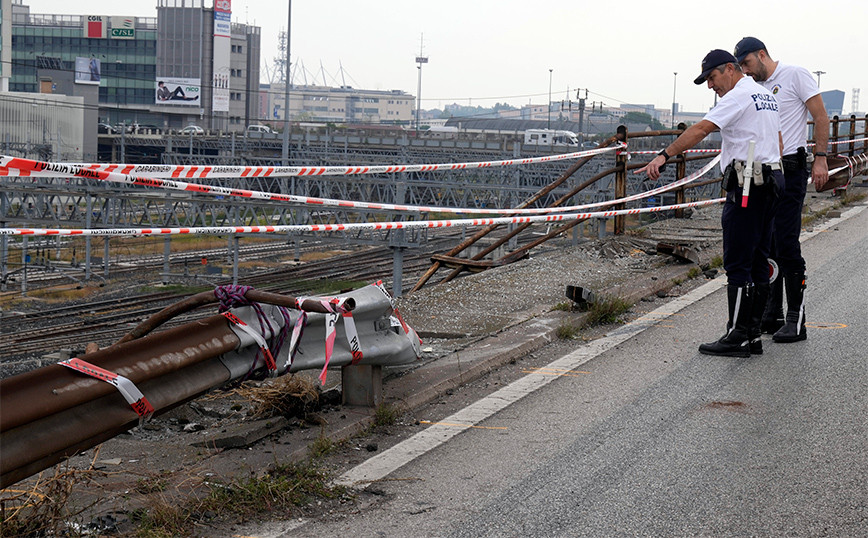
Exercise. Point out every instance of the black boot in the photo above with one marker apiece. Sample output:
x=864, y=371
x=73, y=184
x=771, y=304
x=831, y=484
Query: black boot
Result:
x=773, y=315
x=757, y=311
x=735, y=342
x=794, y=327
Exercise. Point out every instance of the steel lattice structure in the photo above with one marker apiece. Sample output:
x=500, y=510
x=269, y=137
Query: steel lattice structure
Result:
x=82, y=203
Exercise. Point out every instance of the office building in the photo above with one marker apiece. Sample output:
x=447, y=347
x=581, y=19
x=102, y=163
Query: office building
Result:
x=208, y=66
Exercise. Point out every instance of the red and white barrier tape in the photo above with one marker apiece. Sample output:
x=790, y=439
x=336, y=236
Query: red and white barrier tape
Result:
x=657, y=152
x=409, y=332
x=336, y=310
x=39, y=168
x=127, y=388
x=270, y=364
x=653, y=152
x=395, y=225
x=190, y=171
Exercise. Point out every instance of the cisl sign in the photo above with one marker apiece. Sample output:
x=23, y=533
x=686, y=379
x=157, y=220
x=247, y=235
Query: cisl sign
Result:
x=123, y=28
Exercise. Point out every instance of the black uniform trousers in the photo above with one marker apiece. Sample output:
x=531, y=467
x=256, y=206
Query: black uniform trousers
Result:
x=786, y=249
x=747, y=232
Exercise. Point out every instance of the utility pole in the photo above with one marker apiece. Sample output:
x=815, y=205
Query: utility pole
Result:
x=581, y=114
x=549, y=103
x=420, y=60
x=818, y=73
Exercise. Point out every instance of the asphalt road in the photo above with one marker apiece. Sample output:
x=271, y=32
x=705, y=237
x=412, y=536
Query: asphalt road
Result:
x=640, y=435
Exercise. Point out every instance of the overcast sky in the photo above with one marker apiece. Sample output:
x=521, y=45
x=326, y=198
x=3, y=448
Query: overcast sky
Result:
x=486, y=51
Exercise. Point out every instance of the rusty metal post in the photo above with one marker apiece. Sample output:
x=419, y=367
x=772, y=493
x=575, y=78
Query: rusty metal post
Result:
x=620, y=184
x=852, y=151
x=834, y=136
x=680, y=173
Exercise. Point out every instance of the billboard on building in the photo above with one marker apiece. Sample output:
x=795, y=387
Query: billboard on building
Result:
x=178, y=91
x=94, y=26
x=123, y=28
x=222, y=50
x=87, y=70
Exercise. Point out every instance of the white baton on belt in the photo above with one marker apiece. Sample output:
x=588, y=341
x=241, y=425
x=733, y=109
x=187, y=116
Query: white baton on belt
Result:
x=748, y=172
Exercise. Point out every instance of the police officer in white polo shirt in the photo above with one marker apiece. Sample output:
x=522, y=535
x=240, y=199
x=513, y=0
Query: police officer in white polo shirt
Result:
x=798, y=96
x=749, y=124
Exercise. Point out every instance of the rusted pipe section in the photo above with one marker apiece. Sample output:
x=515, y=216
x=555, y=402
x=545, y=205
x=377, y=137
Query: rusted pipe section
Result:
x=208, y=297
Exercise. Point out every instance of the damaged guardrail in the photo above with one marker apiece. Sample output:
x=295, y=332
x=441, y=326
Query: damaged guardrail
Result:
x=56, y=411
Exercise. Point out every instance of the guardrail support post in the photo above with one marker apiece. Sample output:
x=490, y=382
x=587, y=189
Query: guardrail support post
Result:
x=362, y=385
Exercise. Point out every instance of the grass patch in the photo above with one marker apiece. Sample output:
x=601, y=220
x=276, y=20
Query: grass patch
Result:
x=43, y=509
x=60, y=295
x=694, y=272
x=567, y=331
x=565, y=306
x=321, y=446
x=850, y=198
x=153, y=484
x=282, y=485
x=282, y=489
x=716, y=262
x=386, y=415
x=607, y=309
x=811, y=218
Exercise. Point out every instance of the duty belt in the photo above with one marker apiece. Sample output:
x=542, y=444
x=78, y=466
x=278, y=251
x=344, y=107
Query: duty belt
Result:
x=758, y=178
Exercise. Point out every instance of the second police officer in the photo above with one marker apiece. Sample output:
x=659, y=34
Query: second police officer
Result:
x=798, y=96
x=749, y=124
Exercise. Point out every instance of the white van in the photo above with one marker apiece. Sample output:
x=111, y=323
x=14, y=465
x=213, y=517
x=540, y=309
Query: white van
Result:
x=550, y=137
x=259, y=129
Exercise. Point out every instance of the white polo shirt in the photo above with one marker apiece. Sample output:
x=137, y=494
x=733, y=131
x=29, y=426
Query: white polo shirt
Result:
x=792, y=86
x=747, y=112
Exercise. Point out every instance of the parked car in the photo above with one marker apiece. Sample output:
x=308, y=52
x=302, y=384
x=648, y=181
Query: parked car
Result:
x=192, y=130
x=259, y=129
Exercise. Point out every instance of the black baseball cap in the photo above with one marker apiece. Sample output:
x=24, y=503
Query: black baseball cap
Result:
x=746, y=46
x=713, y=59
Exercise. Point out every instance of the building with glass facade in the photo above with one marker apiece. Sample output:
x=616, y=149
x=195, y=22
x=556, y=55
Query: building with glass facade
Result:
x=188, y=65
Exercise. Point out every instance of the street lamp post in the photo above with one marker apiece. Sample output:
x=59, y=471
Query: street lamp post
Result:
x=674, y=79
x=818, y=73
x=549, y=104
x=419, y=60
x=284, y=154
